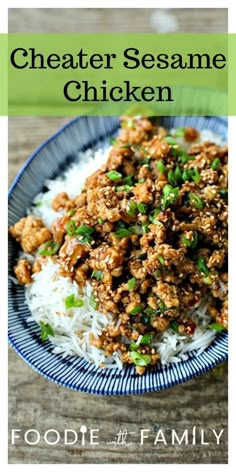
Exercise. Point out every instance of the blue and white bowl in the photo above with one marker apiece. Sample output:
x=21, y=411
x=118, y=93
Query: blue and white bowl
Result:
x=75, y=373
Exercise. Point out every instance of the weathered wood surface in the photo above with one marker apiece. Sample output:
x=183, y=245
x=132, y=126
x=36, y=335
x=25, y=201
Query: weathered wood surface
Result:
x=35, y=403
x=130, y=20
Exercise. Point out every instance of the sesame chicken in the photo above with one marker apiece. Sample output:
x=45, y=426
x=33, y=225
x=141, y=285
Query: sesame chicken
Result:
x=148, y=232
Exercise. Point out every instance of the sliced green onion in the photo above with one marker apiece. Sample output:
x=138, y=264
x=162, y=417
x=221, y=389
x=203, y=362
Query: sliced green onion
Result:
x=153, y=214
x=185, y=175
x=135, y=229
x=141, y=360
x=123, y=188
x=146, y=338
x=113, y=141
x=133, y=346
x=216, y=163
x=93, y=303
x=170, y=195
x=216, y=327
x=131, y=283
x=72, y=302
x=161, y=167
x=224, y=193
x=46, y=330
x=130, y=123
x=195, y=240
x=207, y=280
x=84, y=230
x=186, y=241
x=171, y=178
x=162, y=306
x=126, y=146
x=123, y=233
x=179, y=133
x=128, y=180
x=196, y=177
x=161, y=260
x=71, y=227
x=178, y=175
x=150, y=311
x=132, y=209
x=97, y=274
x=136, y=310
x=141, y=181
x=174, y=326
x=170, y=140
x=71, y=212
x=142, y=208
x=145, y=228
x=49, y=248
x=101, y=221
x=142, y=256
x=38, y=204
x=196, y=201
x=184, y=157
x=114, y=175
x=202, y=267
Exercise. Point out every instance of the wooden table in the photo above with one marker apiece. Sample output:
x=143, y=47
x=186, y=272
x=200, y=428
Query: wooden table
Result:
x=35, y=403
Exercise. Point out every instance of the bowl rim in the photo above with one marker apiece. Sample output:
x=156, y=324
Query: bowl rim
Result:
x=201, y=369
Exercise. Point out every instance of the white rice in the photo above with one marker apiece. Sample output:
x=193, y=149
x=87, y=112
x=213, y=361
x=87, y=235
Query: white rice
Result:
x=73, y=327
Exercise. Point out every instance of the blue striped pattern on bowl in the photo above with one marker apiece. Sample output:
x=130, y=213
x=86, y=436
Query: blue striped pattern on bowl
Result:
x=48, y=161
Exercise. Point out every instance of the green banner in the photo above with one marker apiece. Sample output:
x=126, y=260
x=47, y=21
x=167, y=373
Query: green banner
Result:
x=114, y=74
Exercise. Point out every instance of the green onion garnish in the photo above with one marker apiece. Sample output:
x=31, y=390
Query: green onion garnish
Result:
x=132, y=209
x=174, y=326
x=145, y=228
x=135, y=229
x=38, y=204
x=146, y=338
x=141, y=360
x=184, y=157
x=186, y=241
x=153, y=214
x=130, y=124
x=93, y=302
x=142, y=208
x=141, y=181
x=131, y=283
x=49, y=248
x=170, y=140
x=216, y=326
x=195, y=176
x=224, y=193
x=171, y=178
x=216, y=163
x=46, y=330
x=202, y=267
x=170, y=195
x=123, y=188
x=101, y=221
x=195, y=240
x=114, y=175
x=123, y=233
x=161, y=167
x=71, y=212
x=136, y=310
x=71, y=227
x=196, y=201
x=84, y=230
x=72, y=302
x=113, y=141
x=161, y=260
x=179, y=133
x=128, y=180
x=97, y=274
